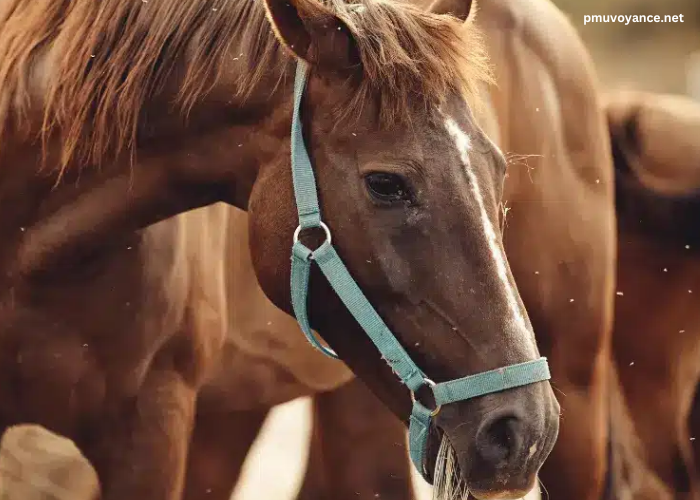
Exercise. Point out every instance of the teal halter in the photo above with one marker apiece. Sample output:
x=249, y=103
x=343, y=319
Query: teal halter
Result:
x=347, y=289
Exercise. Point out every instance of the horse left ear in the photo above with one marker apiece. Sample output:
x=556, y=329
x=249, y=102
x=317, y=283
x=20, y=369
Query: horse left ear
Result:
x=458, y=8
x=313, y=33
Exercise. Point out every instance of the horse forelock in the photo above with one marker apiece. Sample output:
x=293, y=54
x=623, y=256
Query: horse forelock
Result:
x=109, y=58
x=411, y=58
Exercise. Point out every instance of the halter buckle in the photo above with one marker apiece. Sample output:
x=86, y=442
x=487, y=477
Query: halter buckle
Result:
x=429, y=383
x=321, y=224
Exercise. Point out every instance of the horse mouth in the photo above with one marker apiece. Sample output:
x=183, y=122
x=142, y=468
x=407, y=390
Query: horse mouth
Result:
x=449, y=482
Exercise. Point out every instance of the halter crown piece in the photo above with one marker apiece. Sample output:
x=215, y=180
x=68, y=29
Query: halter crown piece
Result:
x=349, y=292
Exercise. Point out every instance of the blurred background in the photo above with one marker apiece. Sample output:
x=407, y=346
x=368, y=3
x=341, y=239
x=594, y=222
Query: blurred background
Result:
x=659, y=57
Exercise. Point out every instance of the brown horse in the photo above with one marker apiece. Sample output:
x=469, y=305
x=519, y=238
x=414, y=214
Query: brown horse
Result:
x=656, y=337
x=108, y=333
x=545, y=112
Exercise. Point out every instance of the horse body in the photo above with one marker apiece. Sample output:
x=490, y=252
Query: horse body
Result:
x=666, y=369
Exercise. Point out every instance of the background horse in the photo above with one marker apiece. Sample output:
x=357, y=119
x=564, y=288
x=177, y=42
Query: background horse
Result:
x=656, y=325
x=87, y=85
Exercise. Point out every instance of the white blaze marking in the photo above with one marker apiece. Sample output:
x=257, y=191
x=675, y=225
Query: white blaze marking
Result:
x=463, y=144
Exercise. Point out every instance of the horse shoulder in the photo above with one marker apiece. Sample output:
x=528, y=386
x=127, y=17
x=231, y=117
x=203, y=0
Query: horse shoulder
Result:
x=185, y=286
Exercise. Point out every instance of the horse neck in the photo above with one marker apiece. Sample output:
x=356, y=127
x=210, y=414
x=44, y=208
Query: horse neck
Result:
x=239, y=124
x=216, y=158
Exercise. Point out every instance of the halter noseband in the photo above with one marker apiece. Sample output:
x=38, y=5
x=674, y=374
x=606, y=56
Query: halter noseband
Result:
x=349, y=292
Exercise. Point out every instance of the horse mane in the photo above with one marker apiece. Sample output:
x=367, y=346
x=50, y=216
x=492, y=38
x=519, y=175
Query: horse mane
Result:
x=106, y=60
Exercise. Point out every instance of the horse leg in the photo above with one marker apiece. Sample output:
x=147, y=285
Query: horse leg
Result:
x=693, y=426
x=578, y=461
x=139, y=451
x=666, y=438
x=220, y=443
x=662, y=427
x=358, y=449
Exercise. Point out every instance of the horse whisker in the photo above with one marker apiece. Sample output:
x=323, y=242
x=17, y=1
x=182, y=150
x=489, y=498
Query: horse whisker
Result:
x=448, y=483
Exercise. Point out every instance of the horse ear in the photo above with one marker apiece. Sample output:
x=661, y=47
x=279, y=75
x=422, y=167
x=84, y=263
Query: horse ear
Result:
x=458, y=8
x=313, y=33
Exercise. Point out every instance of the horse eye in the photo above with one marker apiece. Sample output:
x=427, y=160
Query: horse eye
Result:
x=388, y=187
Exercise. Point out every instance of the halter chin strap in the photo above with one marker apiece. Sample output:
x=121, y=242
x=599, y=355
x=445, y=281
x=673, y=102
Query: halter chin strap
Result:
x=349, y=292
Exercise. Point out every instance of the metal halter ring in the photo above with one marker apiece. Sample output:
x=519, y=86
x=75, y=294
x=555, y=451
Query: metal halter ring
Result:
x=321, y=224
x=429, y=383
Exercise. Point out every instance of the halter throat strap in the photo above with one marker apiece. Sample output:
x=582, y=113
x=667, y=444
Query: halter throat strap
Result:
x=332, y=267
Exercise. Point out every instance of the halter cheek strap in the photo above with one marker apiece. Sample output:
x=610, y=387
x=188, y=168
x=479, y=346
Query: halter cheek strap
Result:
x=349, y=292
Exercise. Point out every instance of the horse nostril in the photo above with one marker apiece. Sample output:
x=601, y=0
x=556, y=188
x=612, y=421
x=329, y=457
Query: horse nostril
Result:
x=500, y=439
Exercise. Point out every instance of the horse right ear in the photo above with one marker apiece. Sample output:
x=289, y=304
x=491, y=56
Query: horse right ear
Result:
x=313, y=33
x=458, y=8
